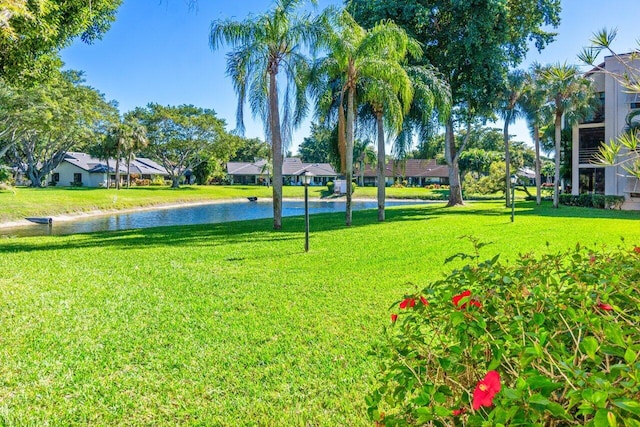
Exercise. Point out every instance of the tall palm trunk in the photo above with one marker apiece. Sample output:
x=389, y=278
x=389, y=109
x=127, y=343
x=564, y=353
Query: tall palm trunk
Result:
x=455, y=189
x=507, y=160
x=128, y=171
x=538, y=167
x=349, y=152
x=276, y=148
x=558, y=135
x=381, y=164
x=108, y=173
x=118, y=172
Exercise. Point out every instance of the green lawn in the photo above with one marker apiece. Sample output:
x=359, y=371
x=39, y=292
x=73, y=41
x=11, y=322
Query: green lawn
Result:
x=233, y=324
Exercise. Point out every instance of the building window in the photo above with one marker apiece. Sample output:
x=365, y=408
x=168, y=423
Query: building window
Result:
x=590, y=140
x=598, y=114
x=592, y=180
x=55, y=177
x=77, y=178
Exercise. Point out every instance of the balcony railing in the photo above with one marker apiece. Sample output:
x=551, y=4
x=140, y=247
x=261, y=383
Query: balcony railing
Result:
x=588, y=155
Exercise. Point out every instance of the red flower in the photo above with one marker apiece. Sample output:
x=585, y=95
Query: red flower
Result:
x=592, y=259
x=458, y=412
x=424, y=301
x=486, y=389
x=456, y=300
x=605, y=307
x=408, y=302
x=394, y=317
x=636, y=249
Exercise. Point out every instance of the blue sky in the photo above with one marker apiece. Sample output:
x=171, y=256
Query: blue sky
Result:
x=158, y=51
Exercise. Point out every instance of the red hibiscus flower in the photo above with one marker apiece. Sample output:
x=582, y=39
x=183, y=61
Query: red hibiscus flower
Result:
x=636, y=249
x=424, y=301
x=456, y=300
x=394, y=317
x=605, y=307
x=458, y=412
x=408, y=302
x=486, y=389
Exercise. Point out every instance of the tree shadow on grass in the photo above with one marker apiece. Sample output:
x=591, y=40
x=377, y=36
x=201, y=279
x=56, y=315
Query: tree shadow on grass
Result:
x=209, y=235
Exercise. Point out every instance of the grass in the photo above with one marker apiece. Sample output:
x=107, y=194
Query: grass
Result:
x=52, y=201
x=233, y=324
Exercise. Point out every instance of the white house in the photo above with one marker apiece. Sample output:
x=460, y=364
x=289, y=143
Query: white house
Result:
x=608, y=123
x=83, y=170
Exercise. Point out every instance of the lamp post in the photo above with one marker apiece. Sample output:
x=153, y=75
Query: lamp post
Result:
x=306, y=177
x=514, y=180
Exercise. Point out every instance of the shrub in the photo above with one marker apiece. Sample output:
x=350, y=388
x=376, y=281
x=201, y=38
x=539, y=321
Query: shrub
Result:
x=552, y=340
x=330, y=186
x=592, y=200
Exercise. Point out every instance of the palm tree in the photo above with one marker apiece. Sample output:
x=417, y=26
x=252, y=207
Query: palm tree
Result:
x=364, y=154
x=532, y=104
x=571, y=95
x=264, y=45
x=365, y=63
x=104, y=150
x=509, y=110
x=136, y=141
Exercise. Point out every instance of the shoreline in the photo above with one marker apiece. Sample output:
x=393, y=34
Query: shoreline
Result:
x=105, y=212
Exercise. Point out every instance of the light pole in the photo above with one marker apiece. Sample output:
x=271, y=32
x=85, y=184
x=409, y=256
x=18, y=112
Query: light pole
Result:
x=306, y=177
x=514, y=180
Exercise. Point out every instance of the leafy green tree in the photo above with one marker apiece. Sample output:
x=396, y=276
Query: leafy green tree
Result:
x=363, y=154
x=182, y=137
x=473, y=44
x=203, y=172
x=48, y=120
x=268, y=48
x=250, y=150
x=31, y=32
x=104, y=149
x=319, y=146
x=570, y=95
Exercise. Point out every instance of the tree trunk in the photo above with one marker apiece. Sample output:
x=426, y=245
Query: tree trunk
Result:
x=108, y=174
x=349, y=152
x=381, y=165
x=118, y=172
x=536, y=142
x=558, y=135
x=276, y=150
x=455, y=190
x=507, y=162
x=175, y=181
x=128, y=171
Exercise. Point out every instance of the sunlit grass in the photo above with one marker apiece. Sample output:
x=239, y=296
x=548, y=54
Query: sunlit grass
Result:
x=233, y=324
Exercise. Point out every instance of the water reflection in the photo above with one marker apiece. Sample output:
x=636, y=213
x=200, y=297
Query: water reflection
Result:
x=201, y=214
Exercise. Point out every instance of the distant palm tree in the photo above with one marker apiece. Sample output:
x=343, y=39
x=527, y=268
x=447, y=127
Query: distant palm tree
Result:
x=104, y=150
x=571, y=95
x=363, y=154
x=532, y=103
x=264, y=45
x=366, y=61
x=136, y=142
x=509, y=110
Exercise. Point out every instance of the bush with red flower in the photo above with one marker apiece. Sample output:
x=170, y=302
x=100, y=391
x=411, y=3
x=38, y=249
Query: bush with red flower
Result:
x=550, y=340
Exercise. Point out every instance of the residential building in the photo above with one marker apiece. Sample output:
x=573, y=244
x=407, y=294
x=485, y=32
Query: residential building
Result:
x=80, y=169
x=417, y=172
x=606, y=124
x=292, y=167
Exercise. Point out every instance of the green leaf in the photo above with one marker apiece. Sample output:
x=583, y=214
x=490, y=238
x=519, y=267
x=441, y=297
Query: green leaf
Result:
x=628, y=405
x=558, y=411
x=538, y=318
x=601, y=419
x=630, y=356
x=589, y=345
x=538, y=399
x=506, y=280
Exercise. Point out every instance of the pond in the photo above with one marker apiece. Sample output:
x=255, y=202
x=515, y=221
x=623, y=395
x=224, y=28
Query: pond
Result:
x=194, y=214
